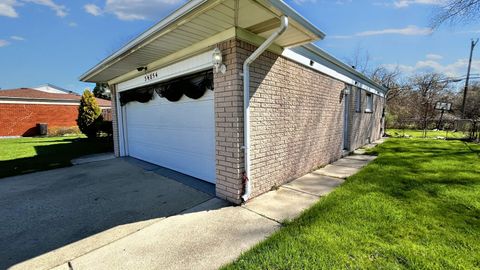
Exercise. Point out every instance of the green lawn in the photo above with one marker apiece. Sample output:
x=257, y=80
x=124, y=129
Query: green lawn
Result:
x=25, y=155
x=430, y=133
x=417, y=206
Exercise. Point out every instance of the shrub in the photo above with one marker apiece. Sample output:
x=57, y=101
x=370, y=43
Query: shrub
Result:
x=89, y=115
x=62, y=131
x=106, y=128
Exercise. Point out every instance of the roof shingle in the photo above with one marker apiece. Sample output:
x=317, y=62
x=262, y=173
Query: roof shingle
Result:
x=28, y=93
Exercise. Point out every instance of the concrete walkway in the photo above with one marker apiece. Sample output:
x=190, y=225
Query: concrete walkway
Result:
x=212, y=233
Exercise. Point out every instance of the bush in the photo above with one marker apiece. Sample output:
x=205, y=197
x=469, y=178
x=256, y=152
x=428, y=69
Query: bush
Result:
x=106, y=128
x=62, y=131
x=89, y=115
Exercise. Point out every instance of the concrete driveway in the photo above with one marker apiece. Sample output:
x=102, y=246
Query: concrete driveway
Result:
x=44, y=211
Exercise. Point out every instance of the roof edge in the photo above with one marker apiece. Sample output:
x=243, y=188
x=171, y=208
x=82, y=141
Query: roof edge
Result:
x=189, y=6
x=318, y=51
x=292, y=13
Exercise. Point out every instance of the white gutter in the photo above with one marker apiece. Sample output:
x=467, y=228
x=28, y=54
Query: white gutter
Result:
x=246, y=101
x=317, y=50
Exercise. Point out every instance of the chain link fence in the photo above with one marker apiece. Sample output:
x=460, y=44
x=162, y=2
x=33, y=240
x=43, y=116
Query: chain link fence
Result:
x=466, y=129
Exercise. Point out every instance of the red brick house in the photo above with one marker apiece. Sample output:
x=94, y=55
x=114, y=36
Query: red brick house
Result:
x=22, y=109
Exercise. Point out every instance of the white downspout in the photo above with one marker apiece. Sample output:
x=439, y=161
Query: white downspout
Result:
x=246, y=101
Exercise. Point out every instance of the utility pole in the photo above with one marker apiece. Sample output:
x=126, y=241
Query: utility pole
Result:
x=465, y=91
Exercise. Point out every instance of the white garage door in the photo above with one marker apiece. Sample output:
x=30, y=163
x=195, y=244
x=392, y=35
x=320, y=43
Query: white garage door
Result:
x=176, y=135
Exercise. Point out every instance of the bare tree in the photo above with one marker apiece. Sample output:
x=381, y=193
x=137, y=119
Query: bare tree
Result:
x=428, y=89
x=391, y=79
x=472, y=104
x=457, y=11
x=360, y=59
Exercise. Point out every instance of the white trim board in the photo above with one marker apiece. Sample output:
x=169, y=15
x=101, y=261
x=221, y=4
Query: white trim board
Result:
x=193, y=64
x=287, y=53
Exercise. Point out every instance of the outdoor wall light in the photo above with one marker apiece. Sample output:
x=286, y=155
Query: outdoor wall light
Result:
x=217, y=61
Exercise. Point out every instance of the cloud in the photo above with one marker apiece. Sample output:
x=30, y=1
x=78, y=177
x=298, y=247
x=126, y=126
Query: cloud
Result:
x=7, y=8
x=301, y=2
x=411, y=30
x=455, y=69
x=17, y=38
x=93, y=9
x=72, y=24
x=433, y=56
x=60, y=10
x=3, y=43
x=141, y=9
x=406, y=3
x=469, y=32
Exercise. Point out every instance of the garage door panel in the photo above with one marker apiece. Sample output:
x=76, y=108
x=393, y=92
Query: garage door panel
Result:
x=175, y=160
x=199, y=143
x=177, y=135
x=162, y=113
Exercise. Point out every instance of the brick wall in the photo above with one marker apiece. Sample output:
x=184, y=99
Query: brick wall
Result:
x=229, y=124
x=22, y=119
x=116, y=149
x=365, y=127
x=296, y=119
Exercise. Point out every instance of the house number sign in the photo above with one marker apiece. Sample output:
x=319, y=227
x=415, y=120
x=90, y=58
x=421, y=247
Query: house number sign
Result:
x=151, y=76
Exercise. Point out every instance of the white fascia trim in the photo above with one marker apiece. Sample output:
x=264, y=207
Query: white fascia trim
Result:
x=130, y=47
x=39, y=102
x=190, y=65
x=288, y=53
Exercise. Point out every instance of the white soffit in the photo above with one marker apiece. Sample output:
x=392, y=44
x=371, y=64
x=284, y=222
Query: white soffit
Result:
x=199, y=21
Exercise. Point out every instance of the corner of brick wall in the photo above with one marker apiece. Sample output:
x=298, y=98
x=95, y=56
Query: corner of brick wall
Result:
x=116, y=147
x=229, y=125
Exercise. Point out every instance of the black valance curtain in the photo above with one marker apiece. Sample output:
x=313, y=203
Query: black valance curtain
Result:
x=193, y=86
x=142, y=95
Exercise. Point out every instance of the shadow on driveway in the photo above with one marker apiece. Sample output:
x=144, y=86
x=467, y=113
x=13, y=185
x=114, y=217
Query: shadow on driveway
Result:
x=48, y=210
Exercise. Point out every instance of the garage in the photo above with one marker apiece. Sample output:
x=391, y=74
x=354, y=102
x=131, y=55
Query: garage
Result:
x=167, y=124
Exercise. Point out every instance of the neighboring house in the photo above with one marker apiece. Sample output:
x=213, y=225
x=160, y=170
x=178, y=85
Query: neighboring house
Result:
x=266, y=116
x=22, y=109
x=50, y=88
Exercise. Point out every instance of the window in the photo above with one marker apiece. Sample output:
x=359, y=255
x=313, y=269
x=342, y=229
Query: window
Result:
x=358, y=100
x=369, y=107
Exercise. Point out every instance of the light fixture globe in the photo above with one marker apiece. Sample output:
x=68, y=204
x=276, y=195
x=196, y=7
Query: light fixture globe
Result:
x=217, y=60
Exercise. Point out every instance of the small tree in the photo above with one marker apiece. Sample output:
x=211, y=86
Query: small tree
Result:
x=89, y=114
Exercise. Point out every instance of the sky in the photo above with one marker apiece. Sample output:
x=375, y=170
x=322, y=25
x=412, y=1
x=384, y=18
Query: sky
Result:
x=55, y=41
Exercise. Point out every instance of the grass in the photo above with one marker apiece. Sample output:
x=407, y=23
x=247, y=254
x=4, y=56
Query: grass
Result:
x=430, y=133
x=417, y=206
x=26, y=155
